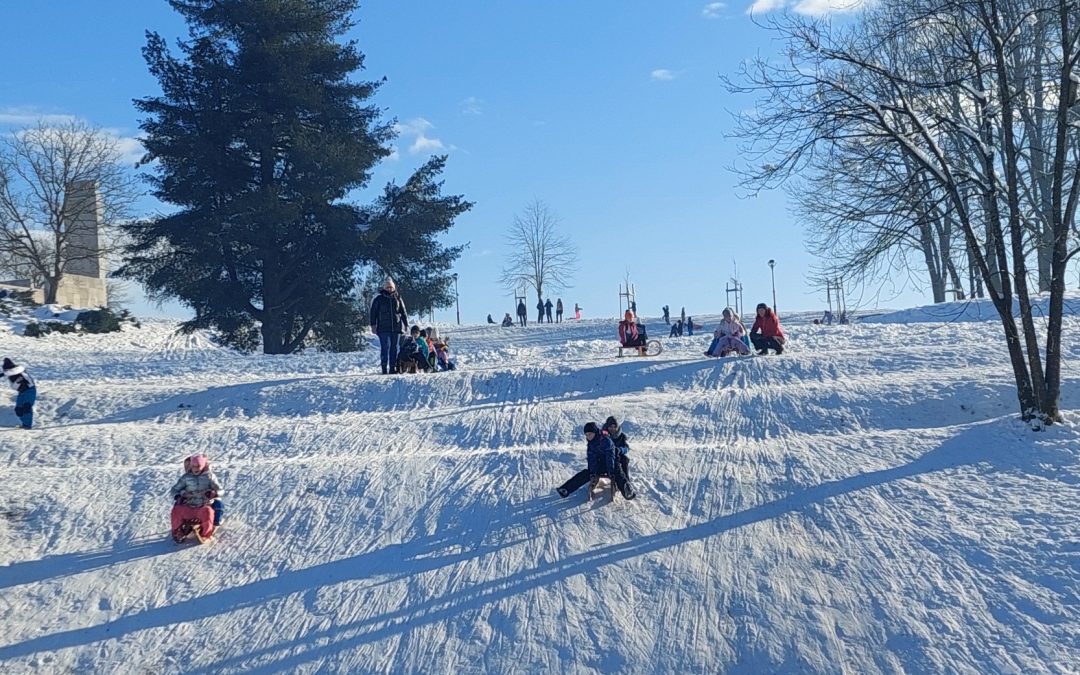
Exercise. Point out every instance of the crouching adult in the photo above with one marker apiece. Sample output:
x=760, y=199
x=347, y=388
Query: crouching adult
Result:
x=766, y=332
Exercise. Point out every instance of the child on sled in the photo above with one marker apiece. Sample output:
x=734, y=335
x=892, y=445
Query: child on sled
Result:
x=196, y=499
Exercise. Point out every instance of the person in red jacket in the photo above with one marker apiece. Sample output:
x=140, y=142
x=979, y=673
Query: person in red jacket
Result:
x=766, y=332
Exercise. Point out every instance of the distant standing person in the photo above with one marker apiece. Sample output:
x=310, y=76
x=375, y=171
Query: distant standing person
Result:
x=522, y=313
x=667, y=315
x=389, y=320
x=558, y=311
x=539, y=311
x=690, y=326
x=547, y=310
x=633, y=307
x=22, y=383
x=577, y=312
x=682, y=316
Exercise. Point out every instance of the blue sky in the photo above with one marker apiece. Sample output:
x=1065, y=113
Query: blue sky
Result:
x=610, y=111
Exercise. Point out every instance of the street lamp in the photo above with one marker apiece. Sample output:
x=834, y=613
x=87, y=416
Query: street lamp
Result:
x=457, y=304
x=772, y=272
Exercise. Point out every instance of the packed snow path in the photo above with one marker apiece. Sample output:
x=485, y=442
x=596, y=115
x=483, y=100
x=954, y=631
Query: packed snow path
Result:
x=866, y=502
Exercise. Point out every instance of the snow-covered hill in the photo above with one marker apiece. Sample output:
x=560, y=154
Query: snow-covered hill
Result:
x=865, y=503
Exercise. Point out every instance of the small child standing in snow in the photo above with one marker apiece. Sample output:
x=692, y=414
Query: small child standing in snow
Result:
x=193, y=496
x=24, y=400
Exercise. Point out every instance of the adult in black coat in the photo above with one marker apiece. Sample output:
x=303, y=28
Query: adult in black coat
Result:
x=389, y=321
x=522, y=313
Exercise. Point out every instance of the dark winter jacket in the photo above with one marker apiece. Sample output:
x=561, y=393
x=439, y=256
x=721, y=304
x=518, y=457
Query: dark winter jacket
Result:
x=19, y=379
x=521, y=309
x=410, y=350
x=620, y=442
x=601, y=455
x=388, y=313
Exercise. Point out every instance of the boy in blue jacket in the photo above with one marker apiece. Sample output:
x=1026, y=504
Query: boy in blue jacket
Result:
x=601, y=455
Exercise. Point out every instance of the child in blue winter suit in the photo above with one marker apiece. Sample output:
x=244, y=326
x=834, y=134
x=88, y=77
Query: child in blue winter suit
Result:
x=24, y=384
x=603, y=461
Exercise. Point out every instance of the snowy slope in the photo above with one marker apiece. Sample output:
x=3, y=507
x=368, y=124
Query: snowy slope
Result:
x=865, y=503
x=967, y=311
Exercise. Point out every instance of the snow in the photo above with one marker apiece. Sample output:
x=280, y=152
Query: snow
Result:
x=868, y=502
x=967, y=311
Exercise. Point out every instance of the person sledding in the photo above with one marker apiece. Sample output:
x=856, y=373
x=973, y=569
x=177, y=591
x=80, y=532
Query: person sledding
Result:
x=622, y=446
x=766, y=332
x=193, y=496
x=602, y=463
x=22, y=383
x=728, y=336
x=632, y=334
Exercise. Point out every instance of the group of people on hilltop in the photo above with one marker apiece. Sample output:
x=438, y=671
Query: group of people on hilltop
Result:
x=543, y=310
x=729, y=337
x=402, y=347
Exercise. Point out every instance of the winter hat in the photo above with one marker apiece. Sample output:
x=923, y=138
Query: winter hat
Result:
x=388, y=284
x=762, y=305
x=611, y=422
x=415, y=330
x=8, y=364
x=628, y=315
x=198, y=462
x=591, y=426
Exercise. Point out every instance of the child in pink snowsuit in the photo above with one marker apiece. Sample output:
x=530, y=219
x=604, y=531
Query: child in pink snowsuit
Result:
x=193, y=495
x=728, y=335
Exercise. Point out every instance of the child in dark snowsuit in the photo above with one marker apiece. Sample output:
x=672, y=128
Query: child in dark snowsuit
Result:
x=27, y=392
x=602, y=462
x=622, y=447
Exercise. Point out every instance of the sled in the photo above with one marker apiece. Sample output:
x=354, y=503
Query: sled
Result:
x=598, y=486
x=652, y=348
x=190, y=529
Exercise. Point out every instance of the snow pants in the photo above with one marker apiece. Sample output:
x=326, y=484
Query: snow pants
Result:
x=762, y=343
x=721, y=344
x=24, y=407
x=204, y=514
x=388, y=351
x=582, y=477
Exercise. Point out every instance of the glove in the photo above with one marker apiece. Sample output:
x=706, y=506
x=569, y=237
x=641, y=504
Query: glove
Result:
x=178, y=498
x=210, y=494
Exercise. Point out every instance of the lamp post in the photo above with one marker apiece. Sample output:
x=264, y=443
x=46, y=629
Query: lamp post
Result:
x=457, y=303
x=772, y=273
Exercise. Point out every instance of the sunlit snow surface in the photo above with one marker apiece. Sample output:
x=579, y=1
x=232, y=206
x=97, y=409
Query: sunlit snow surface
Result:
x=867, y=502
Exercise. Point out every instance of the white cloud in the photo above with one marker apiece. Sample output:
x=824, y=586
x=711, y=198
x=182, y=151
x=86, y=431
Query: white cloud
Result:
x=765, y=6
x=713, y=10
x=810, y=7
x=394, y=154
x=130, y=148
x=417, y=129
x=663, y=74
x=822, y=7
x=25, y=116
x=472, y=106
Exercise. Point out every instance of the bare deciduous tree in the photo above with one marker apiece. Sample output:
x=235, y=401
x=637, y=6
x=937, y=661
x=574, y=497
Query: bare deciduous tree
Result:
x=37, y=166
x=540, y=257
x=943, y=84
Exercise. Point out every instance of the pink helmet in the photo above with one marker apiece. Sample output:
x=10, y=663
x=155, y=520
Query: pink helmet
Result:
x=199, y=462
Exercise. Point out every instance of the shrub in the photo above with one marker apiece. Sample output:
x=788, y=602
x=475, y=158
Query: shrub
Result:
x=98, y=321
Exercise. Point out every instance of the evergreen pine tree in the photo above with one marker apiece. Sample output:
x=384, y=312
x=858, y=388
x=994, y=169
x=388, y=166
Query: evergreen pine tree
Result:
x=259, y=134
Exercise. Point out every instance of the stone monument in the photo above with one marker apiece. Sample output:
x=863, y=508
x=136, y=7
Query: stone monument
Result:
x=83, y=283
